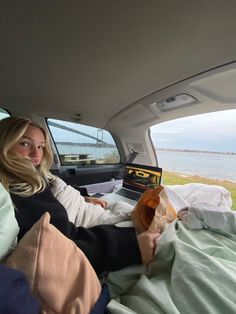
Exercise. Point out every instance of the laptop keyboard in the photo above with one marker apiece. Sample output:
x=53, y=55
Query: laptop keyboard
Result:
x=129, y=194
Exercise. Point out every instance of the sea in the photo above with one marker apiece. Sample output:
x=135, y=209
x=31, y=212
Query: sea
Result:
x=212, y=165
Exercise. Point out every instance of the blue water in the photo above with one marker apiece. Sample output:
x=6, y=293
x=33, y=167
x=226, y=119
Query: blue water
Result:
x=95, y=152
x=215, y=166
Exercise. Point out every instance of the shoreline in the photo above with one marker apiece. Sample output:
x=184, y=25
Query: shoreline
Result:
x=199, y=177
x=195, y=151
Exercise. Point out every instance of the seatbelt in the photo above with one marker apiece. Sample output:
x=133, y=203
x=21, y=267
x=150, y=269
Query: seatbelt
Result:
x=132, y=156
x=130, y=159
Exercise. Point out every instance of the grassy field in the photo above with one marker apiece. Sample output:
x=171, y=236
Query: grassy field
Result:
x=174, y=178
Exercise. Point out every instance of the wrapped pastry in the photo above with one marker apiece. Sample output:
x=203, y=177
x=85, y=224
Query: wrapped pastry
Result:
x=153, y=210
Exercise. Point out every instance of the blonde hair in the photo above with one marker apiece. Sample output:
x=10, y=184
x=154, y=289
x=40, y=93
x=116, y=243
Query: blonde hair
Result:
x=17, y=174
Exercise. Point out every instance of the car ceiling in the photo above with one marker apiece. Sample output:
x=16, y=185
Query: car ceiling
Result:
x=96, y=58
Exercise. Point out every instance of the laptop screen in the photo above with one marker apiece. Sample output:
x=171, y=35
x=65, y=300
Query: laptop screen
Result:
x=140, y=177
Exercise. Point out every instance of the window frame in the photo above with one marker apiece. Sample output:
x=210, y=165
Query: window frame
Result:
x=80, y=165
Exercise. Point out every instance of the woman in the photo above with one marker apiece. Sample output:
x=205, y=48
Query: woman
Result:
x=25, y=160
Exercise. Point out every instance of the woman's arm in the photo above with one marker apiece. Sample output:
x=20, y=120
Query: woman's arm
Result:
x=80, y=212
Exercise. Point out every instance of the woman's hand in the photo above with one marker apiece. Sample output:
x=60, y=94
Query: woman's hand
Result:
x=96, y=201
x=147, y=241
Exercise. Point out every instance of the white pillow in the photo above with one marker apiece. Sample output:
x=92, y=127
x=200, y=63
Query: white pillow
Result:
x=197, y=194
x=8, y=224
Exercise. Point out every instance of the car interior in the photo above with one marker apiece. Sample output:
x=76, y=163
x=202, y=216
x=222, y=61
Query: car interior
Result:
x=98, y=75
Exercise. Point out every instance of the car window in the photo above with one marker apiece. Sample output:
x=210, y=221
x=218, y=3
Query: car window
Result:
x=200, y=148
x=79, y=144
x=3, y=114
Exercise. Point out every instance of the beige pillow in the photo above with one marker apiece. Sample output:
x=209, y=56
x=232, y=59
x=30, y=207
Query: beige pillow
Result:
x=59, y=273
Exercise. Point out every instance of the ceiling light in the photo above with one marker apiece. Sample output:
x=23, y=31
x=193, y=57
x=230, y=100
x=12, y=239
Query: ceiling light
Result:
x=176, y=102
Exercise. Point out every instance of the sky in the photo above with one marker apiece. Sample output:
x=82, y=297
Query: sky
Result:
x=211, y=132
x=61, y=135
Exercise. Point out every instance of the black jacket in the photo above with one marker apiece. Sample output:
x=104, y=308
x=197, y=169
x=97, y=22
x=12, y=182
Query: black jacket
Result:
x=107, y=247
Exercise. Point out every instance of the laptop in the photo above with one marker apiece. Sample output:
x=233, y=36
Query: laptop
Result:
x=136, y=179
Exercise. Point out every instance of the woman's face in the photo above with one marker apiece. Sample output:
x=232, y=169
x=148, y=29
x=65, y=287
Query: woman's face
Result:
x=30, y=145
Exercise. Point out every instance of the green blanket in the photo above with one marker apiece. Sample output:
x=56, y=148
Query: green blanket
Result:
x=194, y=271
